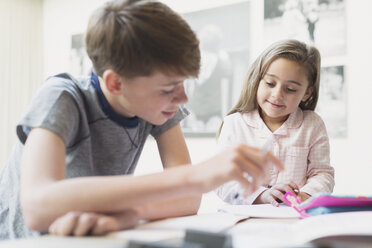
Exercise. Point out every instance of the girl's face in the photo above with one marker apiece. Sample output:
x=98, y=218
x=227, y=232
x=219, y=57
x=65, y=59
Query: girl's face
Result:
x=282, y=89
x=153, y=98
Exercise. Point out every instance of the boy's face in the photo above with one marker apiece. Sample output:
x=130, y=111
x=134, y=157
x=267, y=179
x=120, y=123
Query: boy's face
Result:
x=153, y=98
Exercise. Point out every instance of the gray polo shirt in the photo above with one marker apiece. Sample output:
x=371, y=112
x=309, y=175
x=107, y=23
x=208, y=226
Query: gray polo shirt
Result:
x=98, y=141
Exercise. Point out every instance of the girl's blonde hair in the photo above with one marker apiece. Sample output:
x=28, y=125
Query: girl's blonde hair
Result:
x=294, y=50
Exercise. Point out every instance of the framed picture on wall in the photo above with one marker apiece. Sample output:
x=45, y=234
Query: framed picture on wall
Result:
x=223, y=32
x=318, y=22
x=80, y=63
x=332, y=100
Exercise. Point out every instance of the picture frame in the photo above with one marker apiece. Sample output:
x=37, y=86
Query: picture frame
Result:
x=224, y=36
x=318, y=22
x=80, y=63
x=332, y=103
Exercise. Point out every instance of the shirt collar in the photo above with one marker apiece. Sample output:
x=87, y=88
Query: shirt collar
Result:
x=254, y=119
x=111, y=114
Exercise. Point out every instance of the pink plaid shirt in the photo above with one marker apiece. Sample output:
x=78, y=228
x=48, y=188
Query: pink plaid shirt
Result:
x=301, y=143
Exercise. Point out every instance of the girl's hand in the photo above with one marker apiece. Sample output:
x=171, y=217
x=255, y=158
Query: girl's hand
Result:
x=234, y=164
x=274, y=195
x=303, y=196
x=81, y=224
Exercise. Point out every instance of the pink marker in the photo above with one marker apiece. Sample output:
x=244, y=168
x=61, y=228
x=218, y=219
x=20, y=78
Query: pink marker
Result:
x=294, y=202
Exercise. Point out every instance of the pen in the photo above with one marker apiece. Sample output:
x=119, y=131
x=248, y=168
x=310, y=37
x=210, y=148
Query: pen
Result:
x=265, y=149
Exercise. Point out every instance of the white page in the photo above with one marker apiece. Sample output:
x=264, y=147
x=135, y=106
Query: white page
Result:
x=348, y=223
x=174, y=228
x=150, y=235
x=263, y=233
x=287, y=234
x=213, y=222
x=261, y=211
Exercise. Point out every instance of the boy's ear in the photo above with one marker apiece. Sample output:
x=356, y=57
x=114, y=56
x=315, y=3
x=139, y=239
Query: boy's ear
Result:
x=112, y=81
x=308, y=93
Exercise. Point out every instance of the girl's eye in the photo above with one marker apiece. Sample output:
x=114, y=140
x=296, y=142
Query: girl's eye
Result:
x=270, y=84
x=291, y=90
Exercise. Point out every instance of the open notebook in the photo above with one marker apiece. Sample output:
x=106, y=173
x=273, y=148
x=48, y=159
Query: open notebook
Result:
x=260, y=211
x=303, y=231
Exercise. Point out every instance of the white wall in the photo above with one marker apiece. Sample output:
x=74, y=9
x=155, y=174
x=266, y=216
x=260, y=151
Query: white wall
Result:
x=21, y=62
x=353, y=158
x=350, y=156
x=61, y=20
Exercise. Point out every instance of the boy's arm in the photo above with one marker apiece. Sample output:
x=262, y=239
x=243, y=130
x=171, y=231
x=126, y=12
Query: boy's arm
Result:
x=45, y=194
x=173, y=152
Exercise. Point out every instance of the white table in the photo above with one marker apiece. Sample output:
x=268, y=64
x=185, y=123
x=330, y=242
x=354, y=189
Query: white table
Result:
x=252, y=232
x=120, y=239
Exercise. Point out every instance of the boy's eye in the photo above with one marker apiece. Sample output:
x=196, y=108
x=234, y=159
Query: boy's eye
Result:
x=167, y=92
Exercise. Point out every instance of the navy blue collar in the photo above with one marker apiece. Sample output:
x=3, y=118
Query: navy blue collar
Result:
x=122, y=121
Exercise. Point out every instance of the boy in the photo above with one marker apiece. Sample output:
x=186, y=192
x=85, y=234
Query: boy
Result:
x=81, y=138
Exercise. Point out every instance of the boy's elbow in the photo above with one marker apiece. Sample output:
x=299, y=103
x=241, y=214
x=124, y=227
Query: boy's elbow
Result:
x=194, y=205
x=33, y=214
x=34, y=223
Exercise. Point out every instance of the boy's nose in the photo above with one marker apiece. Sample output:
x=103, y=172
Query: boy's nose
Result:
x=180, y=96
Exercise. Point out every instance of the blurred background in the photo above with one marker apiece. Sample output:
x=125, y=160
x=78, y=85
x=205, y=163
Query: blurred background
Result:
x=40, y=38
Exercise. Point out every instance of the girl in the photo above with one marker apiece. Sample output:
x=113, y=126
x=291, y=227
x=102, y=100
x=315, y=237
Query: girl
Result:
x=276, y=106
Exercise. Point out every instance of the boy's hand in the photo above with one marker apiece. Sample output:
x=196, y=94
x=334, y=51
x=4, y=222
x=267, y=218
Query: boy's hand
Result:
x=81, y=224
x=274, y=195
x=235, y=164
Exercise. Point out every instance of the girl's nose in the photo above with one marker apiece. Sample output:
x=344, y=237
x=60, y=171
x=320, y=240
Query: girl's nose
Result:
x=277, y=93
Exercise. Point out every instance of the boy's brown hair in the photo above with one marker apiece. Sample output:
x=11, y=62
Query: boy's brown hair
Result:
x=135, y=38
